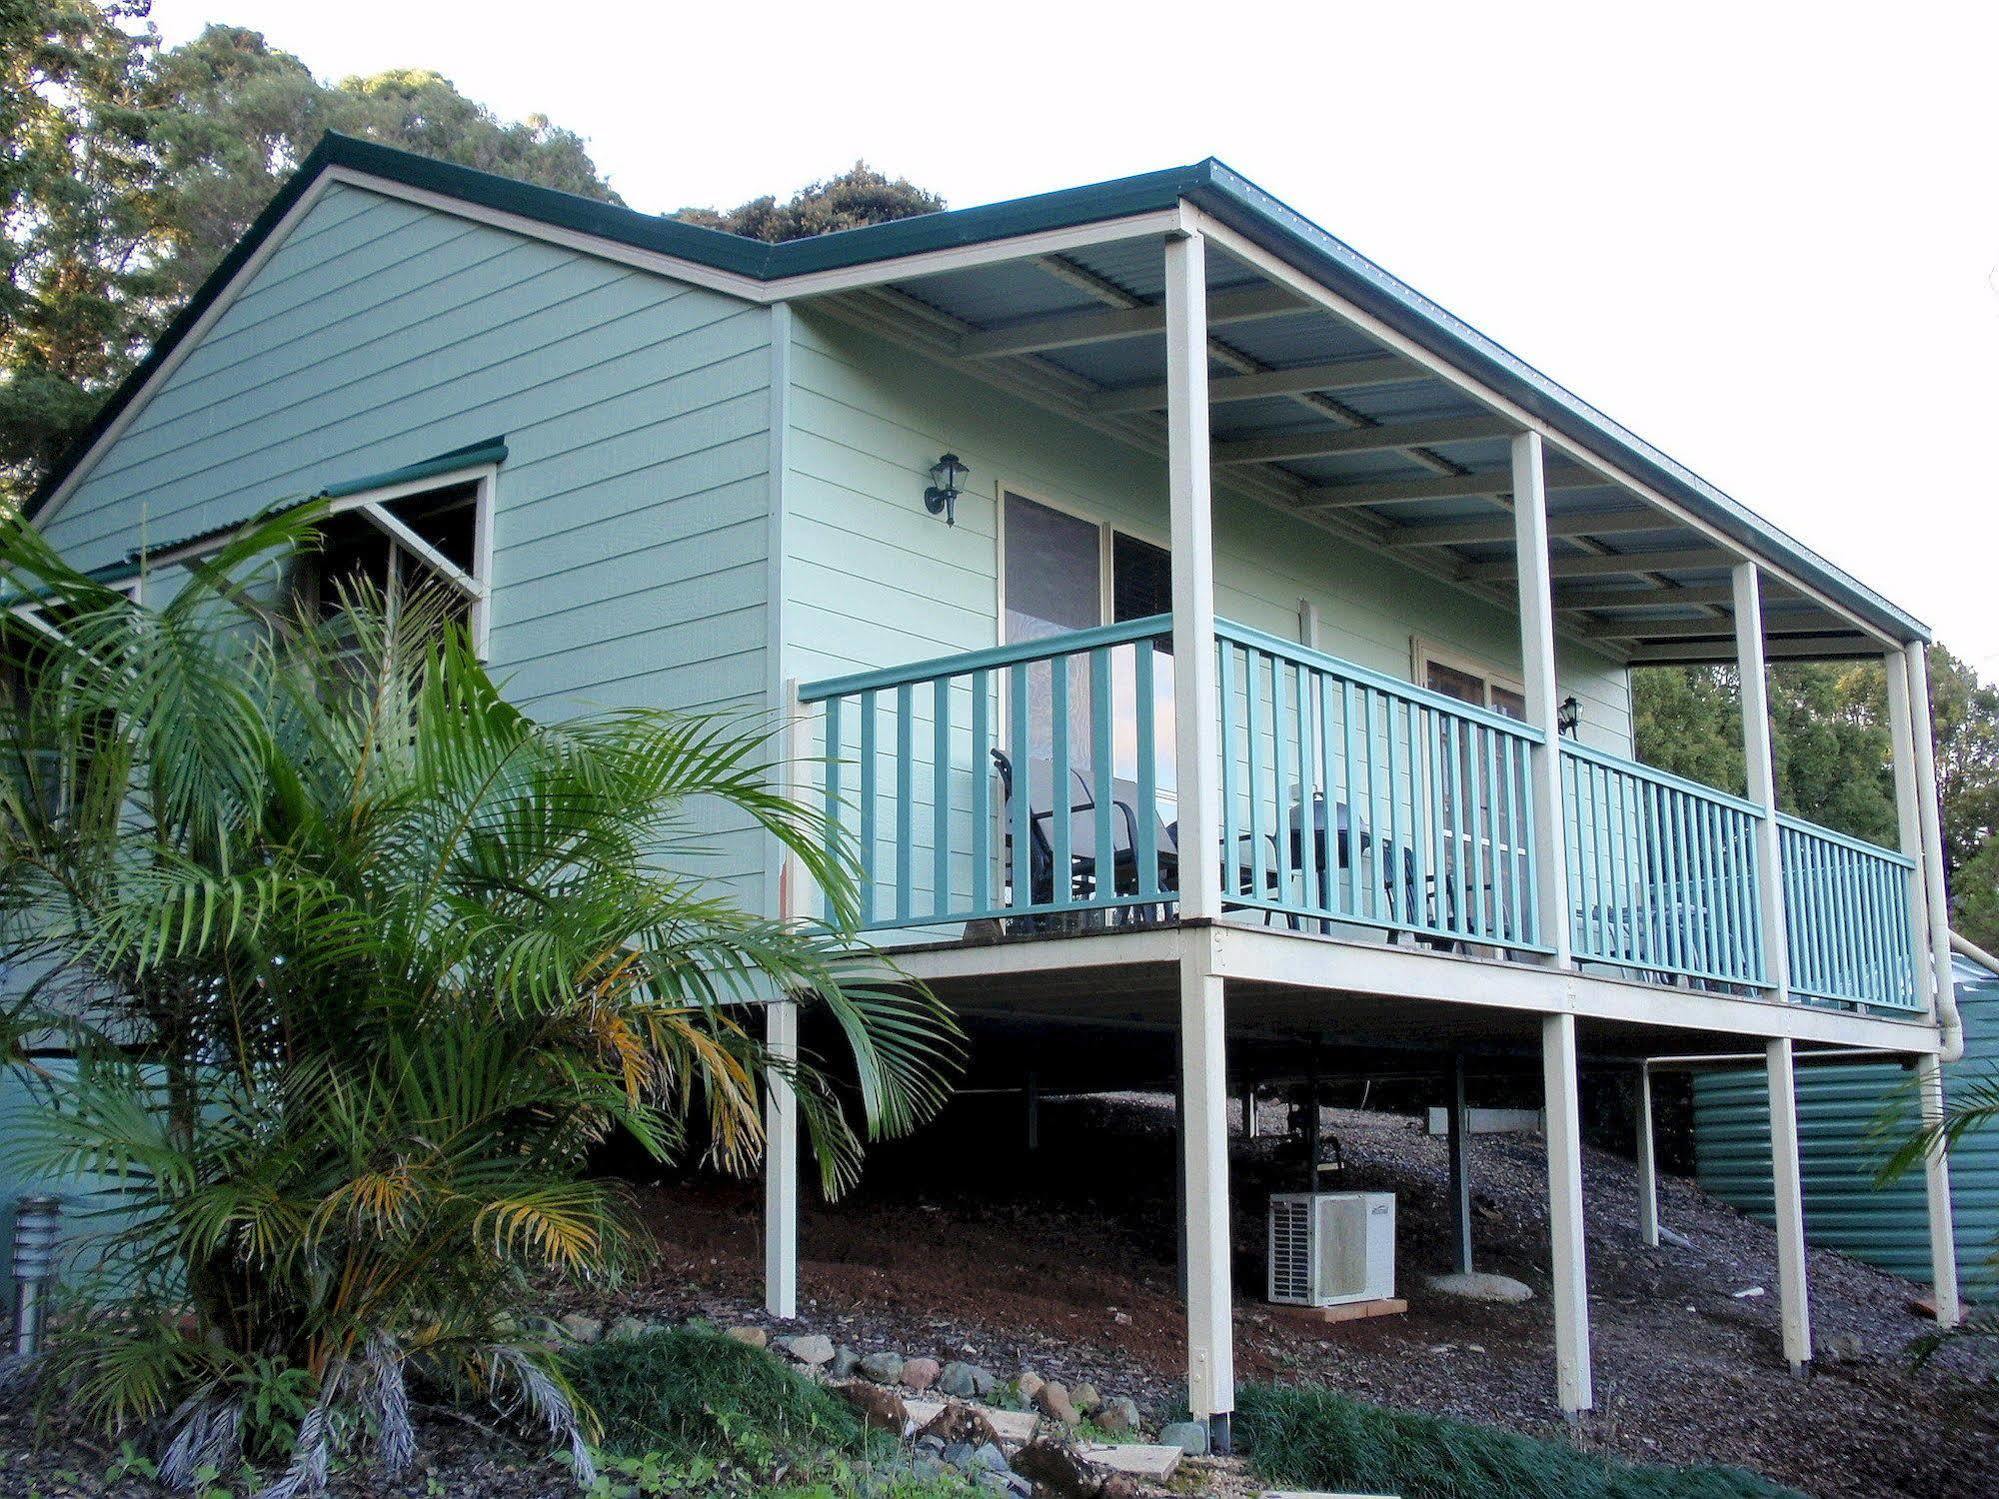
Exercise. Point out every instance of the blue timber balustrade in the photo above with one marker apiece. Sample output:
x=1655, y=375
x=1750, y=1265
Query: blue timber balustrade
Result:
x=1348, y=799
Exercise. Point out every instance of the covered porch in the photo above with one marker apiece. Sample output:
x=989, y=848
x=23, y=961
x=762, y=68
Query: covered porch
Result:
x=1228, y=828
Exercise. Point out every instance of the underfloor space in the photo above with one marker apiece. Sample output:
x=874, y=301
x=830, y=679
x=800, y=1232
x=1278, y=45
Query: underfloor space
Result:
x=1062, y=1259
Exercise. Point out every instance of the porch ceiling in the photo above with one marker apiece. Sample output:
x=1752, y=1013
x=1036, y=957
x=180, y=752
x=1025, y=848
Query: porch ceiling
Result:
x=1311, y=414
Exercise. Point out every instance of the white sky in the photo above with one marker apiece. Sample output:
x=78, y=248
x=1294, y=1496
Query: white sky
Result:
x=1763, y=236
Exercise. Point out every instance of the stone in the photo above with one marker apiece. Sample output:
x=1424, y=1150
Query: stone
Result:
x=1482, y=1285
x=754, y=1337
x=1118, y=1415
x=1010, y=1484
x=1056, y=1470
x=628, y=1327
x=959, y=1455
x=926, y=1467
x=1191, y=1437
x=920, y=1373
x=844, y=1361
x=1085, y=1398
x=954, y=1424
x=1844, y=1348
x=1154, y=1464
x=882, y=1368
x=880, y=1410
x=581, y=1329
x=1673, y=1237
x=965, y=1381
x=809, y=1349
x=1029, y=1385
x=988, y=1458
x=1014, y=1427
x=1053, y=1401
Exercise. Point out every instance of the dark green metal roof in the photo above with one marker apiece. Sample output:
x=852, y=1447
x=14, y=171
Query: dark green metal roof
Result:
x=1209, y=184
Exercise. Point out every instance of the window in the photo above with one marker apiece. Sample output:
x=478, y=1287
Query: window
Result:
x=1468, y=680
x=397, y=546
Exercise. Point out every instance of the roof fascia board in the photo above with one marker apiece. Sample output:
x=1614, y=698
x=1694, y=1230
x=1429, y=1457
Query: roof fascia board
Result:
x=1260, y=228
x=1154, y=223
x=730, y=283
x=1314, y=286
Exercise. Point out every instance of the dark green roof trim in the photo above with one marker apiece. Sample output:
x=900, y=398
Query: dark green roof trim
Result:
x=1214, y=187
x=472, y=455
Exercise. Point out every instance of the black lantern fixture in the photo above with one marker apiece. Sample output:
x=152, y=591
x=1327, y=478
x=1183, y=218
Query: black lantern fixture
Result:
x=1569, y=716
x=941, y=498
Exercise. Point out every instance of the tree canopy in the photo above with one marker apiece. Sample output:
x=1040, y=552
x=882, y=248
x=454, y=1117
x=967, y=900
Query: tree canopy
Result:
x=856, y=198
x=1829, y=731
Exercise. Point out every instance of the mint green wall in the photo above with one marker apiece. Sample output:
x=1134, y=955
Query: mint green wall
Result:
x=871, y=579
x=631, y=516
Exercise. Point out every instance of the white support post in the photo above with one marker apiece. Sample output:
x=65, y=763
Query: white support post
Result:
x=1762, y=775
x=1648, y=1165
x=1565, y=1212
x=1787, y=1182
x=1537, y=657
x=781, y=1166
x=1936, y=899
x=1196, y=737
x=1458, y=1138
x=1936, y=1181
x=1204, y=1133
x=1249, y=1129
x=1909, y=819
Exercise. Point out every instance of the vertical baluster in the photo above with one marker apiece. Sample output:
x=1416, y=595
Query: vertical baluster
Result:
x=1396, y=899
x=1454, y=771
x=1738, y=879
x=1519, y=840
x=1280, y=817
x=905, y=798
x=1752, y=896
x=1489, y=902
x=1870, y=924
x=1649, y=925
x=1477, y=803
x=1687, y=908
x=1813, y=862
x=981, y=789
x=1339, y=882
x=1849, y=892
x=1146, y=813
x=868, y=798
x=1589, y=907
x=1104, y=788
x=1616, y=795
x=1800, y=910
x=1711, y=936
x=1724, y=891
x=1412, y=879
x=1309, y=879
x=1193, y=860
x=1252, y=681
x=836, y=815
x=1367, y=697
x=1062, y=792
x=1017, y=803
x=940, y=754
x=1349, y=785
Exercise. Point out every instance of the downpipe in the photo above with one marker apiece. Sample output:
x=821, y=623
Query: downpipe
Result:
x=1948, y=1020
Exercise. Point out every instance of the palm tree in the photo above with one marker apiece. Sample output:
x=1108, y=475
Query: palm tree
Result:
x=357, y=962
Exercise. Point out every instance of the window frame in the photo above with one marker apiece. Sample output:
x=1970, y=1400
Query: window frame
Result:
x=1423, y=652
x=1106, y=529
x=477, y=585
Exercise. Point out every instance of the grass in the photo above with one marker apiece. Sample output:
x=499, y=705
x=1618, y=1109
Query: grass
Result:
x=1314, y=1438
x=688, y=1393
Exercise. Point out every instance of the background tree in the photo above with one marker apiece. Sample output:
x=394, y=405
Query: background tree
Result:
x=852, y=200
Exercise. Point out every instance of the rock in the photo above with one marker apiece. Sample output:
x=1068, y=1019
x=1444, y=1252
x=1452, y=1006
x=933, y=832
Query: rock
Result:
x=628, y=1327
x=988, y=1458
x=919, y=1373
x=754, y=1337
x=965, y=1380
x=1056, y=1470
x=1085, y=1398
x=1118, y=1415
x=581, y=1329
x=1053, y=1401
x=809, y=1349
x=1118, y=1486
x=844, y=1362
x=1747, y=1292
x=926, y=1467
x=1844, y=1348
x=1482, y=1285
x=959, y=1456
x=961, y=1425
x=1191, y=1437
x=1029, y=1385
x=1010, y=1484
x=1677, y=1240
x=880, y=1410
x=882, y=1368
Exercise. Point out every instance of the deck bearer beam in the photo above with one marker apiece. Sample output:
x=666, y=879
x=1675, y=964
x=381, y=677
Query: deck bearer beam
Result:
x=1565, y=1213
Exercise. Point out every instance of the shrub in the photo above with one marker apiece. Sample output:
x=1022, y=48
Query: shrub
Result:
x=1315, y=1438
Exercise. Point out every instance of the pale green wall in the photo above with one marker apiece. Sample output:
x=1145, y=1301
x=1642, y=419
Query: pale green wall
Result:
x=631, y=516
x=872, y=579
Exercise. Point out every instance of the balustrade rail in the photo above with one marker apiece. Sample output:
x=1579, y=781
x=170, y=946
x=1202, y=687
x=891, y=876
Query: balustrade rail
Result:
x=1846, y=909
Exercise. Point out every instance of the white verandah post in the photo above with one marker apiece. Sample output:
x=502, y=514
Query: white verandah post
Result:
x=1786, y=1178
x=797, y=899
x=1928, y=899
x=1648, y=1163
x=1197, y=758
x=1551, y=902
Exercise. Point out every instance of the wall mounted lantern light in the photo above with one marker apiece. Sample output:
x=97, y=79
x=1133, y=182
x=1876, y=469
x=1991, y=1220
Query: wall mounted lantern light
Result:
x=941, y=498
x=1569, y=716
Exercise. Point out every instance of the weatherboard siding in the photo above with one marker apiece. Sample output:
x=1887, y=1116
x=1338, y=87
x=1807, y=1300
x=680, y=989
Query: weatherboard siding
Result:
x=630, y=517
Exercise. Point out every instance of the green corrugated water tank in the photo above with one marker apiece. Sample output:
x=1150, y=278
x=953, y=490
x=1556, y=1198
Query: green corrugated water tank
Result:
x=1838, y=1110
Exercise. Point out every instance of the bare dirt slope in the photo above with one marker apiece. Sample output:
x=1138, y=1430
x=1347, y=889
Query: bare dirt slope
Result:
x=1063, y=1260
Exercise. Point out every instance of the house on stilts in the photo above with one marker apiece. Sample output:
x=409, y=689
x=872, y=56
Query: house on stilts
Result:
x=1216, y=650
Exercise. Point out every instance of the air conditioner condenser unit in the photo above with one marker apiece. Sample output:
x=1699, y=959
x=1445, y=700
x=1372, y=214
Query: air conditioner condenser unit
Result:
x=1329, y=1248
